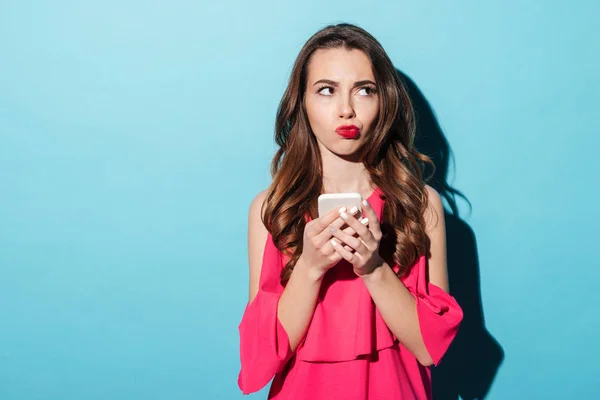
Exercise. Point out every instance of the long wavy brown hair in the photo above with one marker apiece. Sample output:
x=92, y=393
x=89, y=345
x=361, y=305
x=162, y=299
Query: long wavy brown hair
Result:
x=394, y=164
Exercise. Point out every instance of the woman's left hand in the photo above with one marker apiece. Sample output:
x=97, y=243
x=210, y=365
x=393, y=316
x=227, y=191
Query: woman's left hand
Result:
x=362, y=251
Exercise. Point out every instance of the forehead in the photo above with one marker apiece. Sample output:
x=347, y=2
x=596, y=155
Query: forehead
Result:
x=339, y=65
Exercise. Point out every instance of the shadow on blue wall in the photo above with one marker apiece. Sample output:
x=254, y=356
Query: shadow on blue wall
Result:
x=472, y=361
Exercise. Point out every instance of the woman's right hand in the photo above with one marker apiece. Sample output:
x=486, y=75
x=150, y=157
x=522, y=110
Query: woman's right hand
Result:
x=317, y=251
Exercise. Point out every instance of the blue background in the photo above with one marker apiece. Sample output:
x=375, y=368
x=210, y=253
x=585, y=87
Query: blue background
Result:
x=133, y=136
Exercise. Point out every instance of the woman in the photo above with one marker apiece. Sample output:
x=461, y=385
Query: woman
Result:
x=343, y=307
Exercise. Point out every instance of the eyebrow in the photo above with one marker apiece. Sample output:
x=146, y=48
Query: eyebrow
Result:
x=334, y=83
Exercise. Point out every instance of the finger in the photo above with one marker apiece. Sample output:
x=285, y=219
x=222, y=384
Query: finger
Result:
x=316, y=226
x=329, y=251
x=323, y=238
x=345, y=245
x=347, y=230
x=334, y=256
x=354, y=242
x=369, y=213
x=350, y=231
x=340, y=222
x=350, y=249
x=363, y=232
x=324, y=235
x=346, y=254
x=324, y=221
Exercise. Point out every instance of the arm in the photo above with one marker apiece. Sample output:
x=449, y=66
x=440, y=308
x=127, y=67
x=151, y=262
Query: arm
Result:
x=264, y=344
x=398, y=309
x=299, y=298
x=421, y=314
x=276, y=318
x=298, y=301
x=257, y=236
x=395, y=302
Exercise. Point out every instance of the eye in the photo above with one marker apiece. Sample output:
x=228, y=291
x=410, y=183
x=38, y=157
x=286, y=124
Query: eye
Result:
x=370, y=90
x=324, y=87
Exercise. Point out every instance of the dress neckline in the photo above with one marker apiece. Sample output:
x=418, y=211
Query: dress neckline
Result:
x=376, y=191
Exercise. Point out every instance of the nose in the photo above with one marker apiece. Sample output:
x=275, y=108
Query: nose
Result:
x=345, y=107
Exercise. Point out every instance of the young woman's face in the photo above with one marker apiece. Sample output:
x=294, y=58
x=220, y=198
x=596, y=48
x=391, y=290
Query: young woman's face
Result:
x=341, y=90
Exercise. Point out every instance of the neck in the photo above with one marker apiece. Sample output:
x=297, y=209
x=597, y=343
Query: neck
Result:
x=345, y=175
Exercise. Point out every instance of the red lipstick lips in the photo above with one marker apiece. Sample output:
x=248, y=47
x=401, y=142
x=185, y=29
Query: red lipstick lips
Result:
x=348, y=131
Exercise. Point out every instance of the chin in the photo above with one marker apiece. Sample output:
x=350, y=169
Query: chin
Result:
x=348, y=149
x=341, y=147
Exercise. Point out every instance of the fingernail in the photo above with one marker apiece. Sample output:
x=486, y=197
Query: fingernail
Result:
x=353, y=210
x=344, y=215
x=365, y=203
x=333, y=242
x=364, y=221
x=332, y=229
x=341, y=210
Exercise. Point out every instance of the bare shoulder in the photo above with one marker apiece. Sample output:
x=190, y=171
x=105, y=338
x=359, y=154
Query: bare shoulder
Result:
x=257, y=237
x=436, y=230
x=435, y=209
x=257, y=232
x=257, y=203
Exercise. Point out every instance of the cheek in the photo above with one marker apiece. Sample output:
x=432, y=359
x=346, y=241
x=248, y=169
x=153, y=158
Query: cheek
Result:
x=368, y=112
x=319, y=115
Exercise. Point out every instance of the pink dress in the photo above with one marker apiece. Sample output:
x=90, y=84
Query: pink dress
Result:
x=348, y=352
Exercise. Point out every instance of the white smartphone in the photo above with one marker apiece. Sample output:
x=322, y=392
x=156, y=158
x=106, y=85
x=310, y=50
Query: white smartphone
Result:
x=330, y=201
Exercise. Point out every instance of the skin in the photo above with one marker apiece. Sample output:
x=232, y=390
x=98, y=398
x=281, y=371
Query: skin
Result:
x=336, y=236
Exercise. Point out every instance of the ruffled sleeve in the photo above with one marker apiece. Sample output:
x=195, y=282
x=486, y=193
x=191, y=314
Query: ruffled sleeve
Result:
x=439, y=313
x=264, y=344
